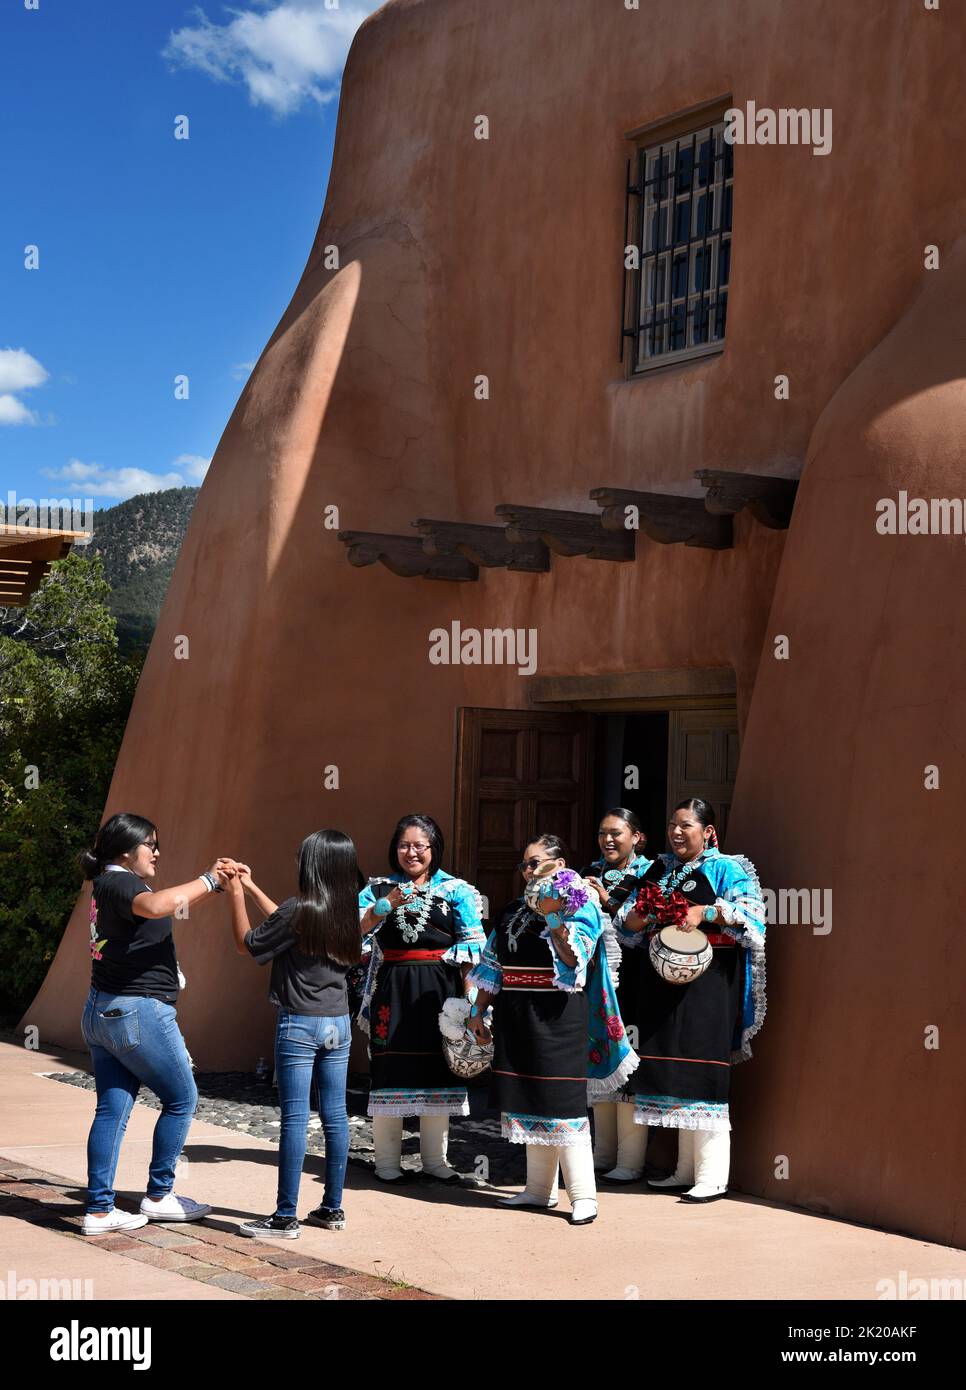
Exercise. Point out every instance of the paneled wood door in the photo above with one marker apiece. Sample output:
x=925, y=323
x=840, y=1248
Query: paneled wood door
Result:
x=518, y=773
x=703, y=760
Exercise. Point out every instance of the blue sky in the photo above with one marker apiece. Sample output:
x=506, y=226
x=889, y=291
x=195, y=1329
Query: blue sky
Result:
x=157, y=256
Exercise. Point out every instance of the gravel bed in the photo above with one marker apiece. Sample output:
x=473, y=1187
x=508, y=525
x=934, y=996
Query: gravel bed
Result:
x=239, y=1101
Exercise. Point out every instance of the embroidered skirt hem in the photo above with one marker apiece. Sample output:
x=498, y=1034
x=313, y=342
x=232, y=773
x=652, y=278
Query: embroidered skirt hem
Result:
x=419, y=1102
x=542, y=1129
x=673, y=1112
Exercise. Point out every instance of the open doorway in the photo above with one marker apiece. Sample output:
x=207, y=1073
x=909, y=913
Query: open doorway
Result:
x=519, y=772
x=630, y=770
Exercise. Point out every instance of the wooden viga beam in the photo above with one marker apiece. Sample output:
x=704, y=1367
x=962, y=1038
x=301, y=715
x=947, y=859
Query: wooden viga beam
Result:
x=18, y=583
x=769, y=500
x=487, y=546
x=664, y=518
x=405, y=556
x=566, y=533
x=43, y=547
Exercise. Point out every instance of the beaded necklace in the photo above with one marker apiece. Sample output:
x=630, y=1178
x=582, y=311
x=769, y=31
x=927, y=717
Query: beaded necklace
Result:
x=609, y=877
x=675, y=876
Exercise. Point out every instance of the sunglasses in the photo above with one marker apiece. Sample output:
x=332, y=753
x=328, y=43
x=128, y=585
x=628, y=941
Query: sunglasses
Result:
x=529, y=864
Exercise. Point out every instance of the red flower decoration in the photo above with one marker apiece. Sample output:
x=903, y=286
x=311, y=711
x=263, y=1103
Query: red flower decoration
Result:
x=594, y=1055
x=654, y=907
x=615, y=1029
x=383, y=1012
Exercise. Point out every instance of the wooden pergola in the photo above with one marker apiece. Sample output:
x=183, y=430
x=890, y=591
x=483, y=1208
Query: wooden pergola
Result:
x=26, y=554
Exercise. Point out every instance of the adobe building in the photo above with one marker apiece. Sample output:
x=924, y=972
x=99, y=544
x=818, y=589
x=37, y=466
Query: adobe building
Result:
x=560, y=294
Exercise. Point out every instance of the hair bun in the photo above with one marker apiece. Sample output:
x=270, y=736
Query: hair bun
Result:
x=89, y=862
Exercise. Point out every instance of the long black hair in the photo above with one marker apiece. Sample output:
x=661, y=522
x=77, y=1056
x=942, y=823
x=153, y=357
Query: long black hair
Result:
x=326, y=920
x=117, y=836
x=433, y=834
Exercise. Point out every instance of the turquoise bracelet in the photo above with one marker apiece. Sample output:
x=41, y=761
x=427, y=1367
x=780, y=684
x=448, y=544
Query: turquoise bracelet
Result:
x=382, y=907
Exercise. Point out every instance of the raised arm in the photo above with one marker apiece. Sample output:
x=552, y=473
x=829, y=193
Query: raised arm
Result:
x=166, y=901
x=240, y=924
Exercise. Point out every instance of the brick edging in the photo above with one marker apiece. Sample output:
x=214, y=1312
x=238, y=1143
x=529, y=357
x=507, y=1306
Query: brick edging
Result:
x=202, y=1252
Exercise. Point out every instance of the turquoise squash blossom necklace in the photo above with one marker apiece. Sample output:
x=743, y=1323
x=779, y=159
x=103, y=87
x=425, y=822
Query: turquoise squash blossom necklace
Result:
x=672, y=880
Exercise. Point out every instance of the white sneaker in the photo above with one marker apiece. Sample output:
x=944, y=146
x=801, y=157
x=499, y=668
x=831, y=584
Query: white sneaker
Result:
x=172, y=1208
x=102, y=1223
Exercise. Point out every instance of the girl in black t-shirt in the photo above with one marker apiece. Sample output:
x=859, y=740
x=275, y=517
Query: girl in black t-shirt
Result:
x=312, y=940
x=130, y=1022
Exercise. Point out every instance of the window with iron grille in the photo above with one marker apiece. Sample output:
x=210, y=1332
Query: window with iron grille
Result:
x=678, y=219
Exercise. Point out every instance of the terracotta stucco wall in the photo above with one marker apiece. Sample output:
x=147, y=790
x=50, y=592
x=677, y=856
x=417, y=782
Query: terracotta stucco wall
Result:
x=462, y=257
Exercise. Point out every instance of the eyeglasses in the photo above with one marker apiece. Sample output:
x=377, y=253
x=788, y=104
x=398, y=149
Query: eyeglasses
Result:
x=152, y=845
x=528, y=864
x=413, y=845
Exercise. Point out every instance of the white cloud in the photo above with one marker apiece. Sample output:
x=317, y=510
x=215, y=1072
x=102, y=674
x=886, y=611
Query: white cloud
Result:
x=122, y=483
x=14, y=412
x=286, y=52
x=18, y=372
x=193, y=465
x=241, y=370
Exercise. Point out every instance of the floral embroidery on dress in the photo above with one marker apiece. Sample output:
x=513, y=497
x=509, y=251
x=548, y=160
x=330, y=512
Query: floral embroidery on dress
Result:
x=381, y=1029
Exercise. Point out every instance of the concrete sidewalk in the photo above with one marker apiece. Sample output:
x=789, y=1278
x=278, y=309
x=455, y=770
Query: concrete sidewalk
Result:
x=453, y=1244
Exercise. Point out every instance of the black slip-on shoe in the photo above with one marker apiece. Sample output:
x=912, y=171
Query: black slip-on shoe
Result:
x=329, y=1218
x=271, y=1228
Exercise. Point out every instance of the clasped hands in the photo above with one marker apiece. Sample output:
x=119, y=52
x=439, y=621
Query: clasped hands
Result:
x=231, y=873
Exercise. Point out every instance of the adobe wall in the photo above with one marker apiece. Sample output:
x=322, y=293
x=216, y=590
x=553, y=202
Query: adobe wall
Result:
x=462, y=257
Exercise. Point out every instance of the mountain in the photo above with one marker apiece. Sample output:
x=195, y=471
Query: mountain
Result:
x=139, y=541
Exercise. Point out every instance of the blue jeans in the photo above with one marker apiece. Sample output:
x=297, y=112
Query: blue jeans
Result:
x=141, y=1044
x=311, y=1048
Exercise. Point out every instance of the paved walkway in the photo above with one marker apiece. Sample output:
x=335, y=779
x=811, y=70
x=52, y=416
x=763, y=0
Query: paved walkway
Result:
x=421, y=1239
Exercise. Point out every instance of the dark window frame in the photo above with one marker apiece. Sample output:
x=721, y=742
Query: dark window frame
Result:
x=678, y=292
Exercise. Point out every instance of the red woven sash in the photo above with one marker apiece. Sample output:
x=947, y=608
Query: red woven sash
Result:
x=391, y=955
x=540, y=977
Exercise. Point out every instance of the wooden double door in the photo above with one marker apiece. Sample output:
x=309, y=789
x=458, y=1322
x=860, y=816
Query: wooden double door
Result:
x=520, y=773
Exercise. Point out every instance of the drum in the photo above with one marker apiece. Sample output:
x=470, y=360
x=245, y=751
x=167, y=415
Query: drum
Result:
x=680, y=957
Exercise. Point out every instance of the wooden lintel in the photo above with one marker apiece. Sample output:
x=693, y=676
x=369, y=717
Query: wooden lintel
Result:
x=405, y=556
x=566, y=533
x=664, y=518
x=489, y=546
x=769, y=500
x=700, y=687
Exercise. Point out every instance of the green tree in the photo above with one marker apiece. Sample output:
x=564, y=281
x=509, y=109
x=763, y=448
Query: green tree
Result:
x=65, y=694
